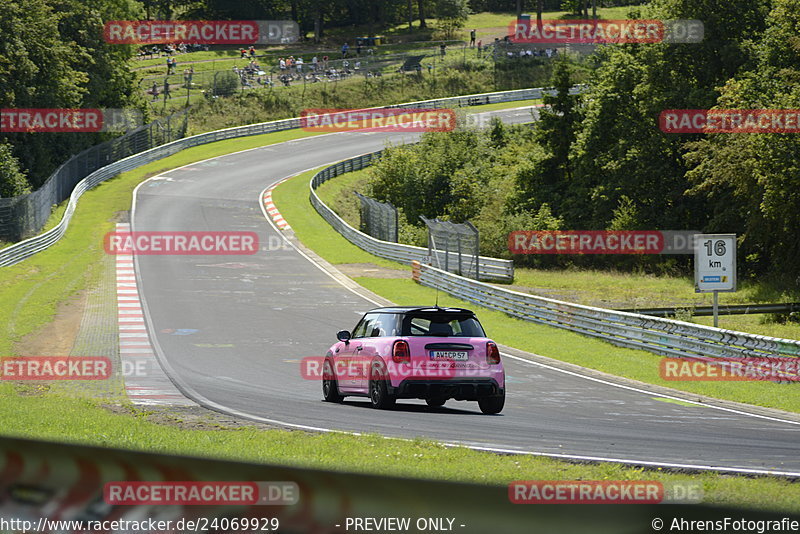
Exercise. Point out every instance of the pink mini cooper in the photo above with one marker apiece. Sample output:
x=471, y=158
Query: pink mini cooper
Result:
x=414, y=352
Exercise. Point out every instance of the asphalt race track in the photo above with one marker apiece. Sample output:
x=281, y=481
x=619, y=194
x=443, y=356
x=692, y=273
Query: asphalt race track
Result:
x=248, y=320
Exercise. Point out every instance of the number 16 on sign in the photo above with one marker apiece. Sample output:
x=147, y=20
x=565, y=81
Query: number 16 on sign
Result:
x=715, y=265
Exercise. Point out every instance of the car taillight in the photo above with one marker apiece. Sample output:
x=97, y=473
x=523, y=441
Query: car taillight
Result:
x=401, y=352
x=492, y=353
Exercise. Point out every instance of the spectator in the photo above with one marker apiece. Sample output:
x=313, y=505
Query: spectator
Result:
x=154, y=91
x=282, y=64
x=325, y=62
x=242, y=53
x=252, y=52
x=472, y=35
x=314, y=62
x=299, y=65
x=442, y=48
x=167, y=93
x=345, y=50
x=358, y=49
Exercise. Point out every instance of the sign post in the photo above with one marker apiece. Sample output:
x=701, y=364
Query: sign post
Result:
x=715, y=266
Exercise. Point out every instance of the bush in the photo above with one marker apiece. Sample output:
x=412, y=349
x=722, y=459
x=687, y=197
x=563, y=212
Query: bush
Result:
x=225, y=84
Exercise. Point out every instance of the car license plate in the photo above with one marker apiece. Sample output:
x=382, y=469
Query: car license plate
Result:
x=458, y=355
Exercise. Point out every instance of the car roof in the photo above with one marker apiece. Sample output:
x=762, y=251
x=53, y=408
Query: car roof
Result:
x=407, y=309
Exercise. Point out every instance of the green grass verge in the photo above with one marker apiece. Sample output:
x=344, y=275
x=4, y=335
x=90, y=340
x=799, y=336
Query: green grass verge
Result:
x=312, y=229
x=83, y=422
x=291, y=198
x=631, y=290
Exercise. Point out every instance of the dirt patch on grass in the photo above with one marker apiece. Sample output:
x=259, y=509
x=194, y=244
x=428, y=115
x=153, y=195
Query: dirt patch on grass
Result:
x=57, y=337
x=187, y=417
x=370, y=270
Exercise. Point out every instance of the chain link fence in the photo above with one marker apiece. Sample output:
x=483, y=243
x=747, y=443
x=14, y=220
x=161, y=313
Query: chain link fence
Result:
x=378, y=219
x=490, y=268
x=456, y=246
x=265, y=72
x=25, y=215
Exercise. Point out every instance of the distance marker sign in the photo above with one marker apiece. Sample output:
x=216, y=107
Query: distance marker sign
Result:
x=714, y=262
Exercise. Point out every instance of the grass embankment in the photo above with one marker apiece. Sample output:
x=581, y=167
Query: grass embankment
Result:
x=291, y=198
x=355, y=93
x=81, y=421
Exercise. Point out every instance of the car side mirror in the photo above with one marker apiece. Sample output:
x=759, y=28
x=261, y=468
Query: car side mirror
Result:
x=343, y=335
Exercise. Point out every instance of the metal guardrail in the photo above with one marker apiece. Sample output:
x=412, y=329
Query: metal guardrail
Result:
x=663, y=336
x=27, y=248
x=490, y=268
x=25, y=215
x=733, y=309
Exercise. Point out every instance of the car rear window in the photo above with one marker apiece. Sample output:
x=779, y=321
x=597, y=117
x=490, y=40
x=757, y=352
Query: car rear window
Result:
x=441, y=325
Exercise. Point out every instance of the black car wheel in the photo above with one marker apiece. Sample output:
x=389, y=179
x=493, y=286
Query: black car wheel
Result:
x=436, y=402
x=330, y=386
x=379, y=394
x=492, y=405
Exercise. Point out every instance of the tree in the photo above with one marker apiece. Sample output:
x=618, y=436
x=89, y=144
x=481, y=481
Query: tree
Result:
x=751, y=182
x=12, y=179
x=619, y=150
x=52, y=56
x=547, y=179
x=452, y=15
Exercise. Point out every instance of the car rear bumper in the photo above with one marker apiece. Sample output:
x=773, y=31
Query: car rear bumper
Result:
x=458, y=389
